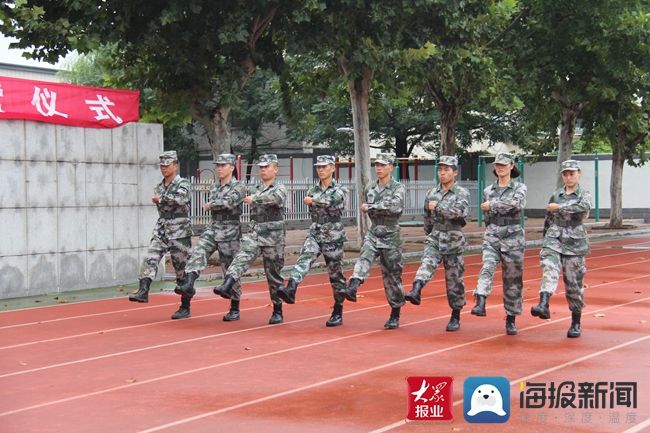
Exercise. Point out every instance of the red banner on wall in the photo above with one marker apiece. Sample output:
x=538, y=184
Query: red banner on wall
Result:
x=67, y=104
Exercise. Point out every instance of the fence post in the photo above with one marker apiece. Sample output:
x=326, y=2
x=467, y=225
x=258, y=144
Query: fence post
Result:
x=520, y=165
x=239, y=167
x=350, y=168
x=435, y=172
x=337, y=166
x=415, y=168
x=596, y=204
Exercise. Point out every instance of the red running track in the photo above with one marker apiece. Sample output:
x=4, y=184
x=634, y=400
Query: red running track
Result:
x=111, y=365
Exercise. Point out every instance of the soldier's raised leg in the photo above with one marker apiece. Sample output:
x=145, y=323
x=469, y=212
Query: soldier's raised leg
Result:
x=454, y=270
x=197, y=263
x=367, y=255
x=239, y=265
x=491, y=257
x=431, y=259
x=148, y=269
x=308, y=254
x=550, y=263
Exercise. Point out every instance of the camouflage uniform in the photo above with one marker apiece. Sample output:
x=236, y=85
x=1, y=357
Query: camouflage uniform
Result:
x=445, y=241
x=224, y=232
x=565, y=245
x=504, y=241
x=265, y=236
x=385, y=205
x=326, y=236
x=173, y=230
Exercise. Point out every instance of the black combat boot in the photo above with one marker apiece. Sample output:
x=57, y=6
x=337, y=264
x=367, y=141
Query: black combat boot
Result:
x=187, y=288
x=336, y=319
x=233, y=314
x=350, y=292
x=414, y=295
x=183, y=311
x=542, y=311
x=276, y=317
x=393, y=320
x=574, y=331
x=225, y=290
x=511, y=329
x=454, y=321
x=288, y=293
x=479, y=308
x=142, y=295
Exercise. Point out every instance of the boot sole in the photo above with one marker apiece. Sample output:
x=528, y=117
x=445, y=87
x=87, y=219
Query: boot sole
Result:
x=142, y=301
x=350, y=298
x=230, y=319
x=222, y=294
x=540, y=315
x=285, y=298
x=412, y=301
x=181, y=317
x=478, y=313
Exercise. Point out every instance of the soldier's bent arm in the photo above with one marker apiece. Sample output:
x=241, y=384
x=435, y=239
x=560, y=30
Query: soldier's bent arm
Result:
x=277, y=197
x=179, y=196
x=458, y=208
x=233, y=199
x=581, y=206
x=391, y=205
x=505, y=205
x=333, y=199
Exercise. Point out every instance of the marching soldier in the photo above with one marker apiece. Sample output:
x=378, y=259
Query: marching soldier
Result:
x=223, y=234
x=326, y=236
x=564, y=246
x=503, y=240
x=172, y=232
x=266, y=236
x=446, y=207
x=384, y=205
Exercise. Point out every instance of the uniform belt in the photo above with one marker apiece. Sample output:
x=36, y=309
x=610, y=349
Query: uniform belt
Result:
x=504, y=221
x=447, y=226
x=562, y=223
x=323, y=219
x=172, y=215
x=221, y=216
x=384, y=220
x=266, y=218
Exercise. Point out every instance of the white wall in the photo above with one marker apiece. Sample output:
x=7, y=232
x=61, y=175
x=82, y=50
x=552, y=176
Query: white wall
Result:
x=75, y=205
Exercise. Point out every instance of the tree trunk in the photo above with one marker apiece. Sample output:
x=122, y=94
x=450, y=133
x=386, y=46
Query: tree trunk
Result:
x=616, y=184
x=568, y=116
x=359, y=95
x=217, y=127
x=252, y=155
x=402, y=151
x=449, y=114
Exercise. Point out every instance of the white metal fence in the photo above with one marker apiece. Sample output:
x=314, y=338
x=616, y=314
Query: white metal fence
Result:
x=297, y=210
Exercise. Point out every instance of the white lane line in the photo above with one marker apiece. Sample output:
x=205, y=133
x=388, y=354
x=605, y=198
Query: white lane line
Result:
x=358, y=373
x=295, y=348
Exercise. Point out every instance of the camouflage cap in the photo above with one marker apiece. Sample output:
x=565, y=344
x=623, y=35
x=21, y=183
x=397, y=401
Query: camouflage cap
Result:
x=226, y=158
x=504, y=158
x=385, y=158
x=451, y=161
x=267, y=159
x=168, y=158
x=325, y=160
x=570, y=164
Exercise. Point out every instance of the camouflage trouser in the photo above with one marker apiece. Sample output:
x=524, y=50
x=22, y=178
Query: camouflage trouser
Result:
x=391, y=270
x=273, y=258
x=333, y=254
x=205, y=248
x=454, y=269
x=512, y=269
x=573, y=272
x=179, y=250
